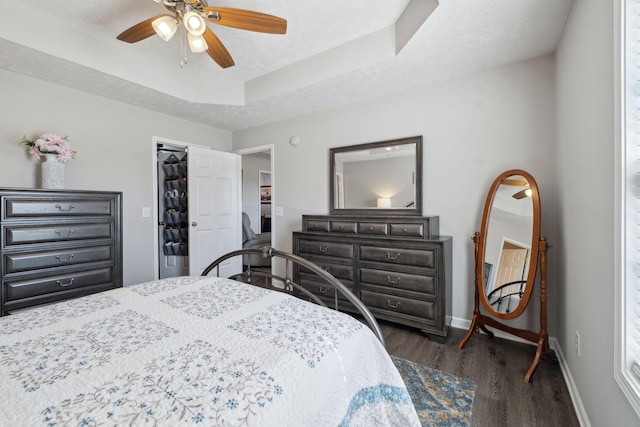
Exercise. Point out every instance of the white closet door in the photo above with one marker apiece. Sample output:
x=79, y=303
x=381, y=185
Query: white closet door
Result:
x=214, y=209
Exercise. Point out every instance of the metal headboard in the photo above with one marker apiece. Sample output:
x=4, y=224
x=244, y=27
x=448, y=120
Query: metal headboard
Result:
x=290, y=285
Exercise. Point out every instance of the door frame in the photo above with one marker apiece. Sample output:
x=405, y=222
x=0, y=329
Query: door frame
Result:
x=271, y=149
x=155, y=140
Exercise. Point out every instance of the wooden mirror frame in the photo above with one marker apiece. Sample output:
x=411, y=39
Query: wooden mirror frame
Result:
x=482, y=244
x=398, y=211
x=479, y=320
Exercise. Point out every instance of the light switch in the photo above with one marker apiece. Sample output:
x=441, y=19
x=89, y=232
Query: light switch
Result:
x=279, y=211
x=146, y=212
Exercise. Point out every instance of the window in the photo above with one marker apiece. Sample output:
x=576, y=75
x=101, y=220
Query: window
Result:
x=627, y=359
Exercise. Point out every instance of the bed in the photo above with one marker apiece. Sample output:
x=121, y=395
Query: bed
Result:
x=197, y=350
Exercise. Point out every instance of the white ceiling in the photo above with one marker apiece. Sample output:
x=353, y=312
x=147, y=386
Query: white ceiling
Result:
x=335, y=52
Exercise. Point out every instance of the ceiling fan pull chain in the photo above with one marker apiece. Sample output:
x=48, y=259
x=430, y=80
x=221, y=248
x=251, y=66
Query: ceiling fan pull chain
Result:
x=183, y=47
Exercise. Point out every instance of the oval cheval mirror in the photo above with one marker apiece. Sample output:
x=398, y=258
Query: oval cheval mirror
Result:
x=508, y=252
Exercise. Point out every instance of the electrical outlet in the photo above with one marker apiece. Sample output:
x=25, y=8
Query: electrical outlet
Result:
x=577, y=344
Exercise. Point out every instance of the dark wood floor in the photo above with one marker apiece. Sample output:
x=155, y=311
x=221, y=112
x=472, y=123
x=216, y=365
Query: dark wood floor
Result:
x=497, y=366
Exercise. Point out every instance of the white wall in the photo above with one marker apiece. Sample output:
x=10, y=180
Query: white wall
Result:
x=474, y=127
x=114, y=147
x=586, y=126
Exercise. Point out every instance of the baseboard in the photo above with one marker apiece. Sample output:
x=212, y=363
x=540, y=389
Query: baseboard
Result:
x=581, y=414
x=571, y=385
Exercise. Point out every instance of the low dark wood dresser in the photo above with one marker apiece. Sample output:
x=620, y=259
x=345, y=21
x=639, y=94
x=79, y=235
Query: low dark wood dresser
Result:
x=399, y=267
x=58, y=244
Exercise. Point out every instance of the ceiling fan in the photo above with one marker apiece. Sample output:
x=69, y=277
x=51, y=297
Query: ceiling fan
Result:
x=519, y=183
x=194, y=15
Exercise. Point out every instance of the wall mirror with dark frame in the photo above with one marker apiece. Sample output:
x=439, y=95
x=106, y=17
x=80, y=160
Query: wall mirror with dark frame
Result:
x=377, y=178
x=509, y=250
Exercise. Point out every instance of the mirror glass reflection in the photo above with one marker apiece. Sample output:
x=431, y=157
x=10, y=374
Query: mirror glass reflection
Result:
x=508, y=244
x=377, y=177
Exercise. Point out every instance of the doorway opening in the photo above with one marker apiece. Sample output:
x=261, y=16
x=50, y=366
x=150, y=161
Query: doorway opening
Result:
x=258, y=194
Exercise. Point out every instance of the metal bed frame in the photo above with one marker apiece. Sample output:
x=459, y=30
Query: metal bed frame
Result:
x=289, y=286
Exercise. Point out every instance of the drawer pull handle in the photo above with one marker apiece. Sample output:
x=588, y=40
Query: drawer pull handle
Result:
x=61, y=209
x=370, y=228
x=69, y=233
x=323, y=248
x=64, y=285
x=393, y=280
x=404, y=230
x=323, y=290
x=61, y=259
x=393, y=257
x=342, y=227
x=396, y=305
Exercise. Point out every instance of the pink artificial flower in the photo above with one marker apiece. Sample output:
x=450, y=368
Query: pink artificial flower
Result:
x=49, y=143
x=64, y=154
x=52, y=139
x=35, y=153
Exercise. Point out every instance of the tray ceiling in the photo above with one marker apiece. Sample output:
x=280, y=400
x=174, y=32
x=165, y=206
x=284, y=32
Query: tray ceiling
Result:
x=335, y=52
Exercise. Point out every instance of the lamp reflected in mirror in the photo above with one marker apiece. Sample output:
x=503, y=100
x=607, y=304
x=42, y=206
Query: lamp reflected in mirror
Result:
x=383, y=202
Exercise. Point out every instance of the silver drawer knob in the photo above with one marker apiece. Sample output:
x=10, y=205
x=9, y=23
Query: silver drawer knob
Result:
x=67, y=259
x=395, y=305
x=68, y=233
x=393, y=257
x=62, y=209
x=64, y=285
x=393, y=280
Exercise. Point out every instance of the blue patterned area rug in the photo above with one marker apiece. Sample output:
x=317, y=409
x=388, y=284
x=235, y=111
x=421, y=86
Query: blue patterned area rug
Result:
x=440, y=398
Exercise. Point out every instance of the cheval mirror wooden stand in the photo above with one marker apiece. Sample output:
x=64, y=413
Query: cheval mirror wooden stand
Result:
x=480, y=321
x=508, y=250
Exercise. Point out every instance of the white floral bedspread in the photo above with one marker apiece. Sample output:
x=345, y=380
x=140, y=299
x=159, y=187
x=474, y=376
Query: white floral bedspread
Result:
x=195, y=350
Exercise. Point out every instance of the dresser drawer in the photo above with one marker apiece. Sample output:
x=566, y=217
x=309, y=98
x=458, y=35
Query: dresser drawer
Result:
x=342, y=272
x=25, y=207
x=334, y=249
x=375, y=228
x=407, y=230
x=317, y=226
x=412, y=257
x=425, y=284
x=425, y=310
x=323, y=289
x=57, y=283
x=343, y=227
x=24, y=234
x=17, y=262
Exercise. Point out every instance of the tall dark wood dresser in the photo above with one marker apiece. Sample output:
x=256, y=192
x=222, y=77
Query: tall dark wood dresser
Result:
x=399, y=267
x=58, y=244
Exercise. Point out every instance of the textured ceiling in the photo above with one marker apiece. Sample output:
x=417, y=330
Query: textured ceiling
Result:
x=335, y=52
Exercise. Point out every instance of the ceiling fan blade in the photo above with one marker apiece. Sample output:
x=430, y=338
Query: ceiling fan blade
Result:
x=520, y=194
x=246, y=20
x=139, y=31
x=514, y=182
x=217, y=51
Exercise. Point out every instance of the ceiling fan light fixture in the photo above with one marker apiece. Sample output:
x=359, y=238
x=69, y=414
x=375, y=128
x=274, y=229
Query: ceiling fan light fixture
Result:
x=165, y=27
x=194, y=23
x=197, y=43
